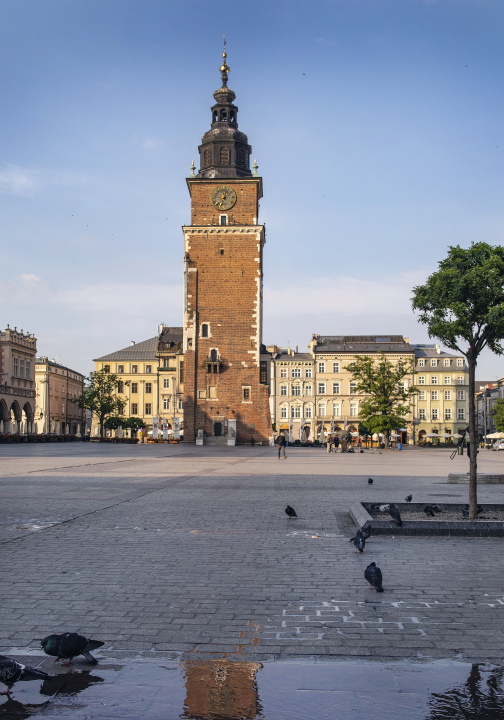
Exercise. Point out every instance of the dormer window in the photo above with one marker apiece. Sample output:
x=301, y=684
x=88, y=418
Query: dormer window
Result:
x=224, y=155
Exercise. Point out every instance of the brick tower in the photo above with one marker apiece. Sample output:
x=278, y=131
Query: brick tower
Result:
x=223, y=273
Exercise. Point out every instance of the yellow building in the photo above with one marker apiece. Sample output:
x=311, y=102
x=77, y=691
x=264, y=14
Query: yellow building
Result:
x=57, y=387
x=441, y=405
x=154, y=371
x=337, y=396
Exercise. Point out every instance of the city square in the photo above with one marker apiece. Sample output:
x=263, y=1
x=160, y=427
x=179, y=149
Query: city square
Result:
x=184, y=554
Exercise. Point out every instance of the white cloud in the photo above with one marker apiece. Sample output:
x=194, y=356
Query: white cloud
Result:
x=17, y=180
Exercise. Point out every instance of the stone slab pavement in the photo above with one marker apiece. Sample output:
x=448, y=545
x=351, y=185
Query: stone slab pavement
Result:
x=187, y=551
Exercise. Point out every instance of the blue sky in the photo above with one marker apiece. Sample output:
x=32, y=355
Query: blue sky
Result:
x=377, y=126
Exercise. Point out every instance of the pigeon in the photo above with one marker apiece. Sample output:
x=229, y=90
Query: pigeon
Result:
x=290, y=512
x=383, y=508
x=394, y=512
x=12, y=671
x=373, y=575
x=362, y=451
x=366, y=532
x=429, y=510
x=359, y=541
x=409, y=498
x=370, y=481
x=69, y=645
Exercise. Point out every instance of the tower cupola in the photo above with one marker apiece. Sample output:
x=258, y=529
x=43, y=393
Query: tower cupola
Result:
x=224, y=151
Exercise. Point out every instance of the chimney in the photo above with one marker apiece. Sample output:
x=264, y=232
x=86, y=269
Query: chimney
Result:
x=132, y=342
x=297, y=348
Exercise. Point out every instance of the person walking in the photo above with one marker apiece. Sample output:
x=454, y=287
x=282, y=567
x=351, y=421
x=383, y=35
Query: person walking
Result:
x=329, y=444
x=336, y=443
x=280, y=441
x=359, y=443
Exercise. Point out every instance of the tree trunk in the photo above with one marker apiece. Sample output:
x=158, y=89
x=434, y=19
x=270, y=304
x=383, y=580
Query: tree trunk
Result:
x=473, y=444
x=386, y=440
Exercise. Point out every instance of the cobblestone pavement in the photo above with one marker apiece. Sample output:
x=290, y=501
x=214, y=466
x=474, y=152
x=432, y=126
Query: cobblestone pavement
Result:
x=187, y=551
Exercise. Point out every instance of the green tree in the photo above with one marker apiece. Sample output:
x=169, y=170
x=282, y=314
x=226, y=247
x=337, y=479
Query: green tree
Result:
x=498, y=413
x=462, y=304
x=114, y=422
x=134, y=424
x=100, y=396
x=387, y=404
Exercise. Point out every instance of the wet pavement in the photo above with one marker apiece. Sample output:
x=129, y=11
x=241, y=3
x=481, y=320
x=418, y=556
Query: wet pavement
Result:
x=222, y=690
x=184, y=564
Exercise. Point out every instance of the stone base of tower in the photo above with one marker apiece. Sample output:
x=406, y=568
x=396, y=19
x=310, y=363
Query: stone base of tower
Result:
x=227, y=415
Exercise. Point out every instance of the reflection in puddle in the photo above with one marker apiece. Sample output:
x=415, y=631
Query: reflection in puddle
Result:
x=58, y=686
x=220, y=689
x=225, y=690
x=480, y=698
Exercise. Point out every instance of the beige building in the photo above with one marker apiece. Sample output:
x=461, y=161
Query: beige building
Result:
x=57, y=387
x=152, y=376
x=337, y=396
x=17, y=381
x=292, y=390
x=441, y=405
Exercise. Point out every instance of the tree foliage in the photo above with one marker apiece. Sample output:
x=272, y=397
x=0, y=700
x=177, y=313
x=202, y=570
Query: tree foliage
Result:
x=100, y=396
x=462, y=304
x=498, y=413
x=387, y=404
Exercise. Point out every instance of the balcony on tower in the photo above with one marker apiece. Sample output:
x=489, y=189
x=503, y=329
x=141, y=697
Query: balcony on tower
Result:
x=213, y=362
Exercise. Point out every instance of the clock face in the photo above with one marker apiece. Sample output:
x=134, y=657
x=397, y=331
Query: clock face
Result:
x=223, y=197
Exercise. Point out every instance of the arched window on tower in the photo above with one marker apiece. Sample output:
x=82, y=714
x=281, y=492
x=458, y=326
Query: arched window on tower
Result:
x=215, y=116
x=231, y=116
x=223, y=115
x=204, y=330
x=241, y=157
x=207, y=158
x=224, y=155
x=213, y=355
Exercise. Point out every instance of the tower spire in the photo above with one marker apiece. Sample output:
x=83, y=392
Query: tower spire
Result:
x=224, y=69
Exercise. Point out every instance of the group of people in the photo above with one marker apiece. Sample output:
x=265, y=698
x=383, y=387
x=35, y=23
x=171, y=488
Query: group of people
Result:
x=333, y=443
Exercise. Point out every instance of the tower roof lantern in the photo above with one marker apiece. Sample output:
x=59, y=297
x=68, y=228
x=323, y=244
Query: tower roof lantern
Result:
x=224, y=150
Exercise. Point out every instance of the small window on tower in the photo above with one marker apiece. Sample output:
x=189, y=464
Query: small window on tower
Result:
x=224, y=155
x=222, y=251
x=223, y=220
x=204, y=330
x=241, y=157
x=207, y=158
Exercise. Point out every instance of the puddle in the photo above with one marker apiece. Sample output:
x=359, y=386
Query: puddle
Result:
x=220, y=689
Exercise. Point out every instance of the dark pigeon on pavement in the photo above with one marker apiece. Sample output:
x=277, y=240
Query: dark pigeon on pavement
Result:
x=12, y=671
x=290, y=512
x=359, y=542
x=366, y=532
x=409, y=498
x=69, y=645
x=395, y=514
x=429, y=510
x=373, y=575
x=370, y=481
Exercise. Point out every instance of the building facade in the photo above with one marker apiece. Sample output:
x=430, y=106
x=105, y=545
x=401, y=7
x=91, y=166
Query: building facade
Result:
x=224, y=394
x=17, y=381
x=441, y=404
x=152, y=377
x=57, y=388
x=292, y=391
x=337, y=397
x=487, y=394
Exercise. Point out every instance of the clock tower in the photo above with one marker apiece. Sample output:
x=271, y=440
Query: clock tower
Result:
x=225, y=392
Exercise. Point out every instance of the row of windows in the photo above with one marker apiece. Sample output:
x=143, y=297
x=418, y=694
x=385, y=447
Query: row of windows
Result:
x=211, y=393
x=22, y=368
x=242, y=158
x=138, y=368
x=297, y=411
x=435, y=362
x=448, y=415
x=321, y=389
x=296, y=372
x=434, y=394
x=447, y=380
x=148, y=406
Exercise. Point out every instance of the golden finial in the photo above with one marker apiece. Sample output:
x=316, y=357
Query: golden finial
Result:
x=224, y=68
x=255, y=167
x=192, y=169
